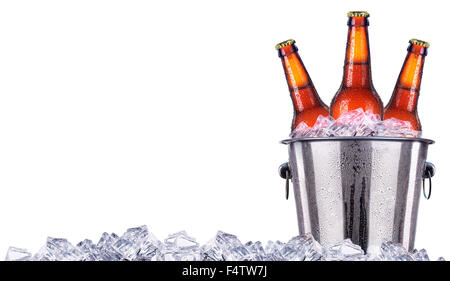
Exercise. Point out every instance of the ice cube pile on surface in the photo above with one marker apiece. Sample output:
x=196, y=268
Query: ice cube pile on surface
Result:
x=355, y=123
x=138, y=244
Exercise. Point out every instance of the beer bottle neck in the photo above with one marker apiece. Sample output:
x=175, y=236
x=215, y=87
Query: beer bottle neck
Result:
x=303, y=92
x=406, y=92
x=357, y=72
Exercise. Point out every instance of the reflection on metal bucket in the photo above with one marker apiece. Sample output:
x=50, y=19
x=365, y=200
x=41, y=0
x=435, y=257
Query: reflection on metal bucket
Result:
x=363, y=188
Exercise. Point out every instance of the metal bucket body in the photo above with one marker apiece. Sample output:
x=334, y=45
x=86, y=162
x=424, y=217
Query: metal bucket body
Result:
x=363, y=188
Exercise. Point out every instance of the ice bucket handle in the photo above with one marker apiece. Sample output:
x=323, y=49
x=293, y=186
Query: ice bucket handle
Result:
x=428, y=173
x=285, y=173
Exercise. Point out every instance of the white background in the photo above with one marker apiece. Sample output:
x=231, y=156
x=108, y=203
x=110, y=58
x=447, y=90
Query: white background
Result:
x=115, y=114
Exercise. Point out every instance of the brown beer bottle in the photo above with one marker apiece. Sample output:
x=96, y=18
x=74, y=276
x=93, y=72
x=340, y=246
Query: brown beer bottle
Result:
x=403, y=103
x=357, y=90
x=307, y=103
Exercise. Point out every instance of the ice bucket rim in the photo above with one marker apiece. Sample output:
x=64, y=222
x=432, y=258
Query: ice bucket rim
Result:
x=399, y=139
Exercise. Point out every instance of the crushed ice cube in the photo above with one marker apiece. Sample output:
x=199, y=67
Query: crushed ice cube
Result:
x=225, y=246
x=17, y=254
x=256, y=251
x=420, y=255
x=302, y=248
x=344, y=250
x=394, y=252
x=150, y=248
x=89, y=250
x=355, y=123
x=179, y=247
x=397, y=128
x=138, y=244
x=58, y=249
x=273, y=251
x=129, y=244
x=181, y=241
x=105, y=247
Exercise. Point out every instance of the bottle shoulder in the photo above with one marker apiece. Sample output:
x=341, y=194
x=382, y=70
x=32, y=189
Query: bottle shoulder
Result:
x=353, y=98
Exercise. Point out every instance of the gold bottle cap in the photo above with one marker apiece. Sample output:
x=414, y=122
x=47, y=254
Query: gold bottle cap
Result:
x=284, y=44
x=353, y=14
x=419, y=43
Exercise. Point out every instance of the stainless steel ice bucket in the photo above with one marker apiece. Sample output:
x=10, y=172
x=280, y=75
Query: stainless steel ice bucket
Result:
x=363, y=188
